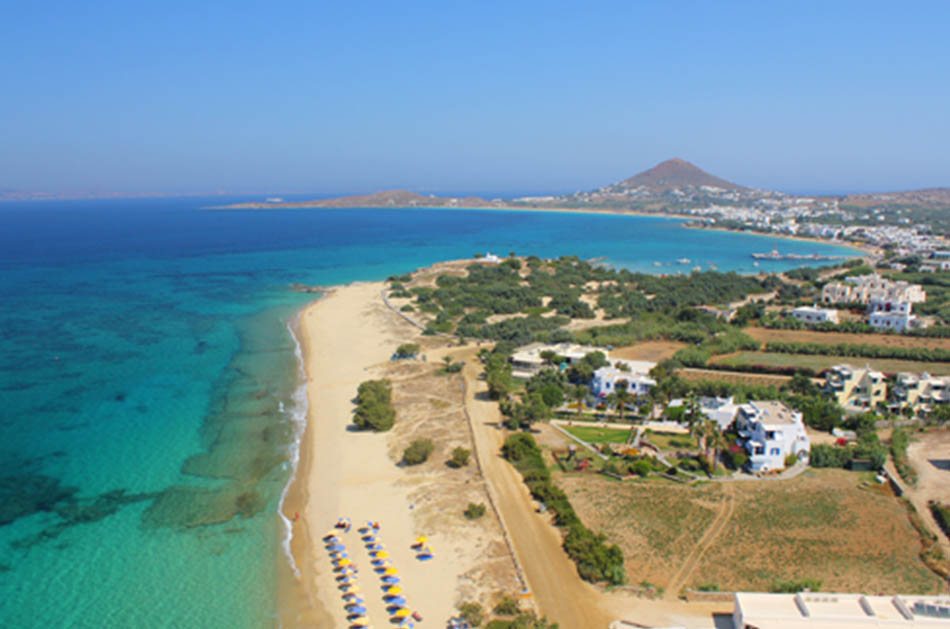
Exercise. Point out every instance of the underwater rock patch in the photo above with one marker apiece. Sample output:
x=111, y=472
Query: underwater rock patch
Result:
x=26, y=494
x=188, y=507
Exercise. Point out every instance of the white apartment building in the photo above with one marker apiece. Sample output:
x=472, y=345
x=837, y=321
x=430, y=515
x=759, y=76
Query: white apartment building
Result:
x=864, y=288
x=771, y=432
x=812, y=314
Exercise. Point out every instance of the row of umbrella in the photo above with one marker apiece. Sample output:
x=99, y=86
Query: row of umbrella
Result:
x=423, y=551
x=346, y=580
x=392, y=591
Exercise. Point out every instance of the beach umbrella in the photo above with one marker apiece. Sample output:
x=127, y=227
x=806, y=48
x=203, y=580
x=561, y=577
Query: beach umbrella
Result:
x=354, y=600
x=390, y=580
x=391, y=572
x=396, y=601
x=402, y=613
x=358, y=610
x=353, y=591
x=394, y=590
x=330, y=535
x=343, y=579
x=422, y=539
x=380, y=554
x=359, y=622
x=337, y=547
x=343, y=562
x=376, y=546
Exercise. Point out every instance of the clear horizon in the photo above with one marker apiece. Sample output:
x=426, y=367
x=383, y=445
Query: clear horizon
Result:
x=806, y=98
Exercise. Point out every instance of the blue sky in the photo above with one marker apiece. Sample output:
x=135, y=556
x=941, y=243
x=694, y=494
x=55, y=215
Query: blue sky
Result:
x=191, y=97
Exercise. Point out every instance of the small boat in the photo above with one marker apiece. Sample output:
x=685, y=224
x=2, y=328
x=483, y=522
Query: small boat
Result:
x=683, y=260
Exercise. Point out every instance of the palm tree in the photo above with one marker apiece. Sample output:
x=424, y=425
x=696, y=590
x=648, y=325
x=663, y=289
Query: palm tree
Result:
x=578, y=393
x=718, y=441
x=621, y=396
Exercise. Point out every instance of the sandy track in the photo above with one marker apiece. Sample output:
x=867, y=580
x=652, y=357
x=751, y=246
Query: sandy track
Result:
x=681, y=578
x=558, y=592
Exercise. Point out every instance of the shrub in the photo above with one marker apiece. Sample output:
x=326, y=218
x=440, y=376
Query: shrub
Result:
x=474, y=511
x=374, y=409
x=407, y=350
x=823, y=455
x=793, y=587
x=418, y=451
x=408, y=308
x=942, y=515
x=791, y=459
x=459, y=457
x=507, y=606
x=471, y=613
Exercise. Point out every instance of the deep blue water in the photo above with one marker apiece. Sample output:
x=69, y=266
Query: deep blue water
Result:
x=147, y=381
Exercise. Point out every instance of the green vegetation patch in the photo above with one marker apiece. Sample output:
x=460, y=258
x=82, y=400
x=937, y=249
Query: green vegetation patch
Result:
x=594, y=434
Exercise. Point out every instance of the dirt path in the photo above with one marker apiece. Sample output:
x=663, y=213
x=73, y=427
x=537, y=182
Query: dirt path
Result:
x=930, y=456
x=681, y=578
x=558, y=592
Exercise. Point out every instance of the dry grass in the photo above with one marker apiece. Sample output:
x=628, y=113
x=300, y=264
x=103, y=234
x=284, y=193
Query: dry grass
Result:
x=654, y=351
x=821, y=525
x=431, y=406
x=832, y=338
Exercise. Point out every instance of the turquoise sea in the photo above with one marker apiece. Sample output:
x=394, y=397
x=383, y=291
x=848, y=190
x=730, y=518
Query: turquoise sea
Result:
x=150, y=394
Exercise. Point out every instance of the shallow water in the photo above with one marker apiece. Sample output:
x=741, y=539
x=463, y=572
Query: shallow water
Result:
x=147, y=384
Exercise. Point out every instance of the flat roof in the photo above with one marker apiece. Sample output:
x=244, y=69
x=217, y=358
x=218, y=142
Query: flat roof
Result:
x=819, y=609
x=774, y=412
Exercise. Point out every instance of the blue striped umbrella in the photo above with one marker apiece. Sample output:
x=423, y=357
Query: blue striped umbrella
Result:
x=359, y=611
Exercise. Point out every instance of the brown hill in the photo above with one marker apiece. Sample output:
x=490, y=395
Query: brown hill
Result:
x=386, y=198
x=676, y=173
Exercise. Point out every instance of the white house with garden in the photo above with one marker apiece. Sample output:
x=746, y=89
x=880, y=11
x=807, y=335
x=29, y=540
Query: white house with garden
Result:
x=627, y=375
x=812, y=315
x=771, y=431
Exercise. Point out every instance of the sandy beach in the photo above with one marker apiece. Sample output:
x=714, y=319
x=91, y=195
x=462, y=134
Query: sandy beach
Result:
x=348, y=337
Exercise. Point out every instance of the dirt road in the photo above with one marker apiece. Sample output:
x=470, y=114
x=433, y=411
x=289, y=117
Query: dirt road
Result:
x=559, y=593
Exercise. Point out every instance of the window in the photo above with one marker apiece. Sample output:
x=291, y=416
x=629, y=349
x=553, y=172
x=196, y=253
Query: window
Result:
x=775, y=451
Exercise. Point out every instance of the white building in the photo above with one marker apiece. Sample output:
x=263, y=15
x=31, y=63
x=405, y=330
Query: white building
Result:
x=771, y=432
x=813, y=314
x=630, y=375
x=527, y=361
x=819, y=609
x=864, y=288
x=721, y=410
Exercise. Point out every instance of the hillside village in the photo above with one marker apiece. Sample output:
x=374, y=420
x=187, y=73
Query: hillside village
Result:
x=649, y=388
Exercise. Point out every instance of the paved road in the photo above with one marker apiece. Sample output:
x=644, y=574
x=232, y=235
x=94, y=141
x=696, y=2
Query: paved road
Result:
x=559, y=593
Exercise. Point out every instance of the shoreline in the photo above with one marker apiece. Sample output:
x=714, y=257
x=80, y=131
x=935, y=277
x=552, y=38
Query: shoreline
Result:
x=347, y=337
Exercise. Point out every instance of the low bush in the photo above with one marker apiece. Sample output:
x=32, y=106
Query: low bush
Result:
x=507, y=606
x=460, y=457
x=474, y=511
x=794, y=587
x=418, y=451
x=471, y=613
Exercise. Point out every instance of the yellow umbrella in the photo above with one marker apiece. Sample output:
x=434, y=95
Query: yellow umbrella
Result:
x=381, y=554
x=422, y=540
x=394, y=590
x=343, y=562
x=391, y=572
x=402, y=613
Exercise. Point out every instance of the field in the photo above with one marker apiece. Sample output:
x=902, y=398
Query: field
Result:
x=751, y=535
x=833, y=338
x=733, y=377
x=819, y=363
x=654, y=351
x=592, y=434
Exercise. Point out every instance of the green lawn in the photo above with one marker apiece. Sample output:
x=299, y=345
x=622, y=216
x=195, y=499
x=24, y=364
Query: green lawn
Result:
x=592, y=434
x=819, y=363
x=671, y=441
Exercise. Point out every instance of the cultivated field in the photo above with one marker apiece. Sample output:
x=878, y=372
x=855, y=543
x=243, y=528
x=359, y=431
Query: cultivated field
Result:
x=733, y=377
x=833, y=338
x=753, y=535
x=819, y=363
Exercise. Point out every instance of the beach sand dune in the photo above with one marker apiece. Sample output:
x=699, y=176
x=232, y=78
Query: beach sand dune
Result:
x=347, y=338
